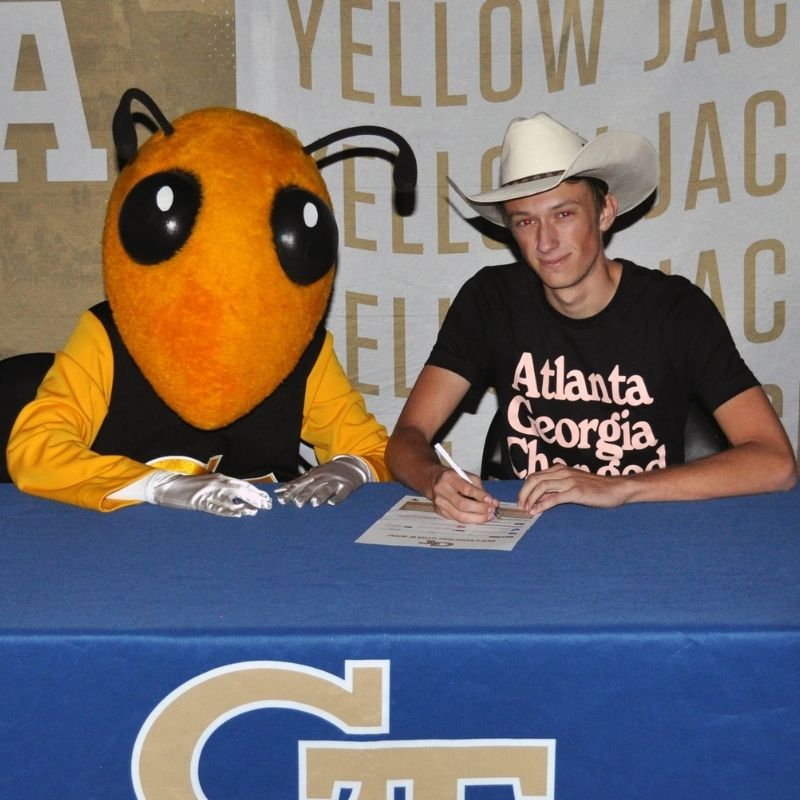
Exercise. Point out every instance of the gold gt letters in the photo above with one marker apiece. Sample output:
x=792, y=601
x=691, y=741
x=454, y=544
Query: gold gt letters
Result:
x=167, y=751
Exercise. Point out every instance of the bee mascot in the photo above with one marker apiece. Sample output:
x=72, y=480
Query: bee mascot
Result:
x=209, y=363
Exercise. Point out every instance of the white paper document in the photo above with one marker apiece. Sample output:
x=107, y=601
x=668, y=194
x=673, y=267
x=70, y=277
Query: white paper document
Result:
x=413, y=522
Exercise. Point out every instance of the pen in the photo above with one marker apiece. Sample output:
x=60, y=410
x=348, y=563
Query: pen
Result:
x=452, y=464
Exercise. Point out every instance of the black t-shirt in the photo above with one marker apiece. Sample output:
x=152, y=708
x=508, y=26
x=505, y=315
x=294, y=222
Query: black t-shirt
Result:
x=609, y=393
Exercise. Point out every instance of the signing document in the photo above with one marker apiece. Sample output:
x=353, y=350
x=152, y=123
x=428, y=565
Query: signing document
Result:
x=413, y=522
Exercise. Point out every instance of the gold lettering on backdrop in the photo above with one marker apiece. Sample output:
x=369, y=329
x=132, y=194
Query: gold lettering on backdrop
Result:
x=556, y=64
x=37, y=60
x=320, y=154
x=751, y=35
x=354, y=342
x=305, y=36
x=444, y=307
x=707, y=278
x=514, y=34
x=664, y=195
x=751, y=304
x=396, y=96
x=350, y=49
x=707, y=131
x=775, y=394
x=443, y=209
x=751, y=148
x=399, y=244
x=718, y=31
x=29, y=76
x=401, y=387
x=660, y=58
x=351, y=197
x=760, y=253
x=443, y=96
x=488, y=160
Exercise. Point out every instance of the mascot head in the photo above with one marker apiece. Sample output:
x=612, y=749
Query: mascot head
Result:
x=219, y=253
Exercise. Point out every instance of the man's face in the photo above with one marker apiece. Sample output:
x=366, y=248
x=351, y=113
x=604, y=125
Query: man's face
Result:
x=560, y=234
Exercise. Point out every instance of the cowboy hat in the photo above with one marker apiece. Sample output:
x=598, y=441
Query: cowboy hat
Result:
x=538, y=153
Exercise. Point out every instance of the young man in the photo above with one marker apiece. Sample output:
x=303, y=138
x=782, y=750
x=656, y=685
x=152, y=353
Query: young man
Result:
x=594, y=360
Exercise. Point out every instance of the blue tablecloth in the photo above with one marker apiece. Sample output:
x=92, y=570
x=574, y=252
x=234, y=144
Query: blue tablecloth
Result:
x=650, y=651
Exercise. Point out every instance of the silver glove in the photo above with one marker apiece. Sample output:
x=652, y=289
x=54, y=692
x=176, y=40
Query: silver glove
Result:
x=209, y=492
x=328, y=483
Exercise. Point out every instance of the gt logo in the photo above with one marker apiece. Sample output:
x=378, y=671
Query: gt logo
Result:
x=167, y=751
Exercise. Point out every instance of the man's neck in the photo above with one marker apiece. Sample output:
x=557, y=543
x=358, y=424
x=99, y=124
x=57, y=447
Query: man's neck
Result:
x=590, y=296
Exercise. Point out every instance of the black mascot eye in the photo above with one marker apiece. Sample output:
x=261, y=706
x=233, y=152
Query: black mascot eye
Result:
x=158, y=215
x=305, y=235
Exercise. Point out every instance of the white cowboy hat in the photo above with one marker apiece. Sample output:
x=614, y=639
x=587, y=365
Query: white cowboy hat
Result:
x=538, y=153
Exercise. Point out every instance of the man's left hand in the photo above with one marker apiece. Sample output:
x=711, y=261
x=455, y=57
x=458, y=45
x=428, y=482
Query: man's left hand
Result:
x=561, y=484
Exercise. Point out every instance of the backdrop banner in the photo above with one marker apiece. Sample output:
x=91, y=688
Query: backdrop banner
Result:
x=711, y=84
x=63, y=68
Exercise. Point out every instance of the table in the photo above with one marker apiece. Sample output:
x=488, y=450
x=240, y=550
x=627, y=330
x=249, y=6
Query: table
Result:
x=650, y=651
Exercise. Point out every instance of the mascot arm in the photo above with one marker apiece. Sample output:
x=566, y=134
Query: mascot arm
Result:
x=335, y=418
x=49, y=452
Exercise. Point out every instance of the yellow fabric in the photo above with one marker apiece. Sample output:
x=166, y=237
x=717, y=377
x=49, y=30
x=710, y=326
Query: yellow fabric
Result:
x=49, y=452
x=335, y=417
x=49, y=448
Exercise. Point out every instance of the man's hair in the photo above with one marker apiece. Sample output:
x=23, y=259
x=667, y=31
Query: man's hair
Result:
x=599, y=189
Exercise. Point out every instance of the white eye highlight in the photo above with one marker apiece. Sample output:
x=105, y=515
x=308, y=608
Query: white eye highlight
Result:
x=165, y=198
x=310, y=215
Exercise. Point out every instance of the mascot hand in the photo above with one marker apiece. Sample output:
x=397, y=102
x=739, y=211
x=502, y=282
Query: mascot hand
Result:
x=213, y=493
x=331, y=482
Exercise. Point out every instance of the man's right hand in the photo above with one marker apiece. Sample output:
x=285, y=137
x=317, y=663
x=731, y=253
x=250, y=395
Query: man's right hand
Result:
x=460, y=500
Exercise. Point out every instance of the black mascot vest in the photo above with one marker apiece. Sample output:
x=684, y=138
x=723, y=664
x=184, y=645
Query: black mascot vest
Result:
x=141, y=426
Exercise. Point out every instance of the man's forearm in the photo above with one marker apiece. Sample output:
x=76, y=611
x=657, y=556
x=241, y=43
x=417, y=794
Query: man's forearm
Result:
x=750, y=468
x=412, y=460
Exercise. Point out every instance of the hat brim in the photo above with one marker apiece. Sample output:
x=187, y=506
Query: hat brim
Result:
x=626, y=162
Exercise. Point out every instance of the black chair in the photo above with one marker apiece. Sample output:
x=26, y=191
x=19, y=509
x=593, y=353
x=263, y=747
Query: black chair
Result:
x=703, y=437
x=491, y=461
x=20, y=377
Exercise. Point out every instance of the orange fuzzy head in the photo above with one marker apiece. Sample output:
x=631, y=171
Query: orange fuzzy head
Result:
x=218, y=255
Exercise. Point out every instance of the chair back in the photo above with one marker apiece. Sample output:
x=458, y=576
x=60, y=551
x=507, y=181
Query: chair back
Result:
x=20, y=377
